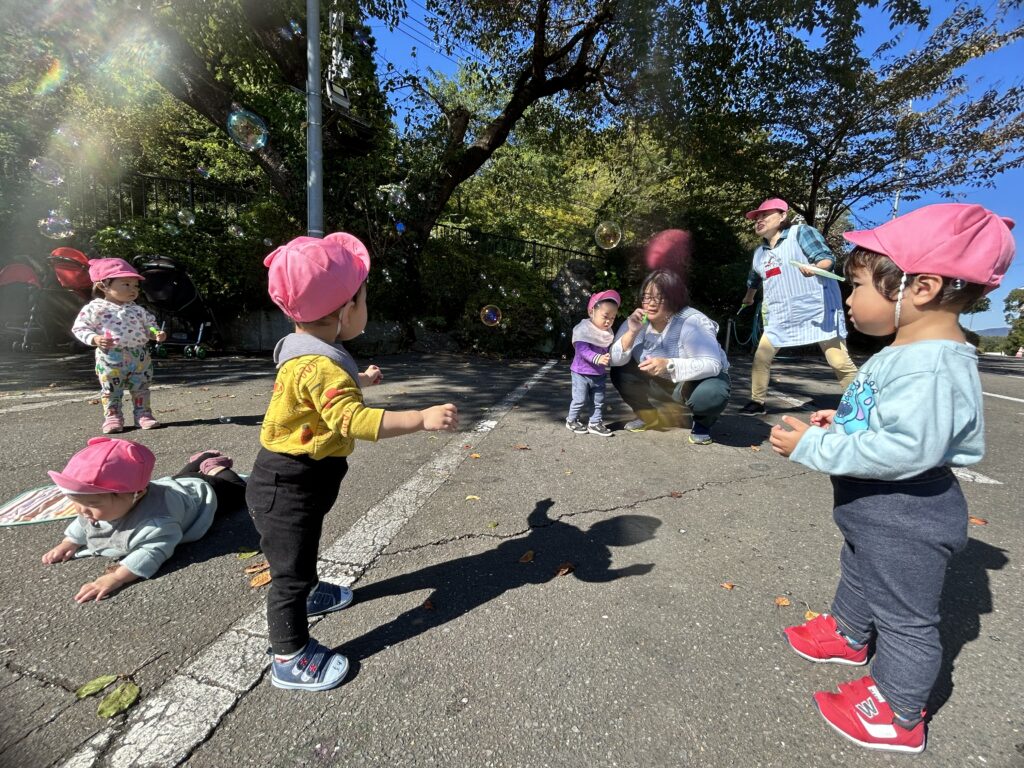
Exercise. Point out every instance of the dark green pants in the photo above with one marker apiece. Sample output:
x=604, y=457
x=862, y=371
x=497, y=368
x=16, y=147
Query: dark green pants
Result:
x=704, y=399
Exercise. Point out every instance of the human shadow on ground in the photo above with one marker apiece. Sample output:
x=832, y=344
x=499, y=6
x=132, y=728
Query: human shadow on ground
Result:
x=461, y=585
x=232, y=531
x=965, y=597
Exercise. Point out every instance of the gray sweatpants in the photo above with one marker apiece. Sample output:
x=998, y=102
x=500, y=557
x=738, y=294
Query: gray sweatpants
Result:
x=899, y=537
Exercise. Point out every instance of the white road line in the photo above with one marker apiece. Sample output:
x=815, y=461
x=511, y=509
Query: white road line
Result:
x=970, y=476
x=1003, y=397
x=167, y=726
x=791, y=400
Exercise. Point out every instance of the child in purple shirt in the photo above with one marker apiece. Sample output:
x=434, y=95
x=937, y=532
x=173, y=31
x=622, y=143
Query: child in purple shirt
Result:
x=591, y=339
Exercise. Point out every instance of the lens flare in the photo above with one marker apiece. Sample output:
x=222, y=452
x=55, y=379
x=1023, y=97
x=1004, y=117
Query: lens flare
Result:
x=52, y=80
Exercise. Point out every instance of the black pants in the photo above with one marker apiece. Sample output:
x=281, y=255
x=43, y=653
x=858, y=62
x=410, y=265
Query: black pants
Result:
x=704, y=399
x=228, y=487
x=288, y=498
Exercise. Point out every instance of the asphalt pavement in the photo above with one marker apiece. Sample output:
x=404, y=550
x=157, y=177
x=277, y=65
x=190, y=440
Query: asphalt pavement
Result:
x=524, y=596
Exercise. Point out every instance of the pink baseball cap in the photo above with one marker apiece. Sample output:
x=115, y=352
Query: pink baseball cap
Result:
x=771, y=204
x=311, y=277
x=107, y=465
x=954, y=240
x=604, y=296
x=669, y=249
x=106, y=269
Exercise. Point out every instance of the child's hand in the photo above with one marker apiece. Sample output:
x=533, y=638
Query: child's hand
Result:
x=603, y=359
x=371, y=376
x=103, y=342
x=441, y=417
x=161, y=336
x=822, y=419
x=105, y=585
x=636, y=320
x=784, y=440
x=62, y=552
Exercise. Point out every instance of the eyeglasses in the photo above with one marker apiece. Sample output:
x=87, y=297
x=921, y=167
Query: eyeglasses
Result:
x=652, y=299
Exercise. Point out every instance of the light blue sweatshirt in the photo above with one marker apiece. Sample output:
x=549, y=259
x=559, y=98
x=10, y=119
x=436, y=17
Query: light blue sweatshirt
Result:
x=172, y=511
x=911, y=408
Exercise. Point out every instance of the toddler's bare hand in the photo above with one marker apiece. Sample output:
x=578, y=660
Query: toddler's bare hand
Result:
x=374, y=375
x=104, y=342
x=603, y=359
x=61, y=553
x=441, y=417
x=99, y=589
x=823, y=418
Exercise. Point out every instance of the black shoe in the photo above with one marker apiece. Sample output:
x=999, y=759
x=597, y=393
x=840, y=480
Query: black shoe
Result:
x=576, y=426
x=599, y=429
x=753, y=408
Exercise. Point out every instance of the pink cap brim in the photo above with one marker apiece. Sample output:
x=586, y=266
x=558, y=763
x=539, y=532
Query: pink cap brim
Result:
x=866, y=239
x=70, y=485
x=753, y=213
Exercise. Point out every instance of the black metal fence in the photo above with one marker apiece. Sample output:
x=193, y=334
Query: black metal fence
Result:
x=546, y=259
x=95, y=202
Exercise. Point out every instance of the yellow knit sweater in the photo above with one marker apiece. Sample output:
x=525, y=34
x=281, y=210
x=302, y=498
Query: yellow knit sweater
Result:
x=317, y=409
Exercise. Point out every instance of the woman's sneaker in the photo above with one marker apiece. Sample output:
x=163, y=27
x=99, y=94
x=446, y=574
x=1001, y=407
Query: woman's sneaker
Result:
x=315, y=668
x=576, y=426
x=700, y=435
x=598, y=428
x=327, y=598
x=818, y=640
x=860, y=713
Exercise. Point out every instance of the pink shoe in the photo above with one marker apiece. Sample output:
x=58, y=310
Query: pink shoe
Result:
x=214, y=464
x=860, y=713
x=211, y=453
x=146, y=421
x=818, y=640
x=112, y=425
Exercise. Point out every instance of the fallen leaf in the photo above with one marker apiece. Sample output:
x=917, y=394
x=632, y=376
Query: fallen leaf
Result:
x=755, y=447
x=727, y=585
x=782, y=602
x=466, y=445
x=676, y=494
x=976, y=520
x=260, y=579
x=119, y=700
x=245, y=554
x=521, y=447
x=808, y=615
x=472, y=498
x=565, y=569
x=95, y=686
x=568, y=471
x=527, y=556
x=492, y=524
x=258, y=567
x=474, y=455
x=96, y=401
x=428, y=605
x=432, y=437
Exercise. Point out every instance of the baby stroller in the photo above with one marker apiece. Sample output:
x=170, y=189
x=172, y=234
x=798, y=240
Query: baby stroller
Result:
x=38, y=306
x=179, y=308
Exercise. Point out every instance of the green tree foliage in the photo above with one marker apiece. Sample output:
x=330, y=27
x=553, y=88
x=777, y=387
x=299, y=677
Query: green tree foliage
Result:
x=1013, y=306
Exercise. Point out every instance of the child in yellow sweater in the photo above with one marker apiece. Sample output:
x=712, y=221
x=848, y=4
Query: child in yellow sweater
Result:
x=316, y=414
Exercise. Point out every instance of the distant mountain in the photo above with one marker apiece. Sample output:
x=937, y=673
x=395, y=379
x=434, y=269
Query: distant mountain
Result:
x=993, y=332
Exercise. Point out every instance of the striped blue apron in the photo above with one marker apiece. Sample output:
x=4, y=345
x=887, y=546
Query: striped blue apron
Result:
x=800, y=310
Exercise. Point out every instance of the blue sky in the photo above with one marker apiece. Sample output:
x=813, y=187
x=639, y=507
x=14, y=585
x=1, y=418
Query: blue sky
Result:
x=1002, y=68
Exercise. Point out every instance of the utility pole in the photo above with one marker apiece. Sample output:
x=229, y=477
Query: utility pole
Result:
x=314, y=125
x=899, y=175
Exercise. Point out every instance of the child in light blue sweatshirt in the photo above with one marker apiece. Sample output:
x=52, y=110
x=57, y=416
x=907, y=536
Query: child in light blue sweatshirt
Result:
x=913, y=411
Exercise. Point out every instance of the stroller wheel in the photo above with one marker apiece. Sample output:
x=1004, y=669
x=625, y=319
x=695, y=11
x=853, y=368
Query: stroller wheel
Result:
x=160, y=350
x=188, y=351
x=200, y=352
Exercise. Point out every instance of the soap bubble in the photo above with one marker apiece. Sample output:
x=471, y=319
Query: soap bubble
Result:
x=490, y=315
x=67, y=140
x=170, y=228
x=400, y=227
x=295, y=27
x=235, y=231
x=204, y=172
x=56, y=226
x=267, y=242
x=47, y=171
x=186, y=217
x=248, y=130
x=607, y=235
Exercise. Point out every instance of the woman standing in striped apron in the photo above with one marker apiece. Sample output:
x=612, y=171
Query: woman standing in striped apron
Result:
x=802, y=308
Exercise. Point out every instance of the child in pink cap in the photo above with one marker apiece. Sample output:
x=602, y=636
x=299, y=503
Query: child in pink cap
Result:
x=316, y=414
x=124, y=515
x=591, y=339
x=913, y=411
x=119, y=329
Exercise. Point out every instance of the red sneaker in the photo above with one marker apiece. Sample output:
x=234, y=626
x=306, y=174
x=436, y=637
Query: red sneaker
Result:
x=818, y=640
x=859, y=713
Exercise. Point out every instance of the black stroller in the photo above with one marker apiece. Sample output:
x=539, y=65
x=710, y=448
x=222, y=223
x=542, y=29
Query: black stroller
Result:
x=40, y=301
x=179, y=308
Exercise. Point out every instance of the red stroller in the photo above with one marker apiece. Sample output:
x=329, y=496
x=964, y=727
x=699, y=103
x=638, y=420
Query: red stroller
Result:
x=38, y=306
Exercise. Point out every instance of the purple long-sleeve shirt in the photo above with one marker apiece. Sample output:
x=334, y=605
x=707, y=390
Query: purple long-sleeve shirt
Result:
x=583, y=360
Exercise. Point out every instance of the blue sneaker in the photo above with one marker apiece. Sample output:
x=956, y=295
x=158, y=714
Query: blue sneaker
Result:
x=327, y=598
x=315, y=668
